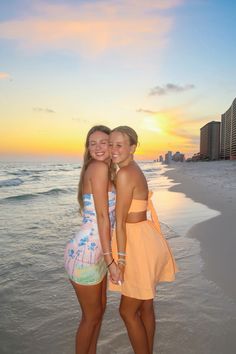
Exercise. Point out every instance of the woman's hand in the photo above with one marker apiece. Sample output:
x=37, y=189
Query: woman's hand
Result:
x=122, y=271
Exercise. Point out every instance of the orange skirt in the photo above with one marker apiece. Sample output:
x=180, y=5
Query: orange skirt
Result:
x=149, y=261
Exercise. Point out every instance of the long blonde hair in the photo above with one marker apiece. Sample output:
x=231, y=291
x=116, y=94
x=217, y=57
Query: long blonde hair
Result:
x=87, y=159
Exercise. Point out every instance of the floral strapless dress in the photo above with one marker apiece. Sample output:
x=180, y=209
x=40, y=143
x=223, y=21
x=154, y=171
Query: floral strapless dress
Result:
x=84, y=261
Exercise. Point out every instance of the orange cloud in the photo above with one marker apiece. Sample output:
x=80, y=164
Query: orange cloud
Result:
x=92, y=29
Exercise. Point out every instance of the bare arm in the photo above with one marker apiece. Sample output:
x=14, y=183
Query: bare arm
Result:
x=99, y=184
x=124, y=191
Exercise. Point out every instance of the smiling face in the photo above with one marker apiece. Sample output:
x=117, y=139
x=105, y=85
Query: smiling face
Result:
x=98, y=146
x=120, y=148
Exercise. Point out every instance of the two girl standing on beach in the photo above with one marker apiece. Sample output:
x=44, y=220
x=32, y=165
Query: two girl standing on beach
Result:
x=140, y=256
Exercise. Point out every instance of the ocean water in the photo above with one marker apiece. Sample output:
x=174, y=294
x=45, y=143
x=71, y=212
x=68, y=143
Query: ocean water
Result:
x=39, y=312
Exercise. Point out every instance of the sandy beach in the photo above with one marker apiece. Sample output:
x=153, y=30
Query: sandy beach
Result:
x=39, y=214
x=214, y=185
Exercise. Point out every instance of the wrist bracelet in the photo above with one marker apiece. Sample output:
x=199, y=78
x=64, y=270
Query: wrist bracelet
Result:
x=110, y=263
x=122, y=261
x=122, y=253
x=106, y=253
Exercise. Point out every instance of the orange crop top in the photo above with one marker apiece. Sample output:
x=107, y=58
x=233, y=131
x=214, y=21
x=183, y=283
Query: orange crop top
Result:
x=138, y=205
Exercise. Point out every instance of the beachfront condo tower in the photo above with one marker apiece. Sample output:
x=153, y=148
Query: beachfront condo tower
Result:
x=228, y=133
x=210, y=141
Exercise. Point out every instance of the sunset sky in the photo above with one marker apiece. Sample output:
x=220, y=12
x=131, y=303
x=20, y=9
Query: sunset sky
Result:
x=164, y=67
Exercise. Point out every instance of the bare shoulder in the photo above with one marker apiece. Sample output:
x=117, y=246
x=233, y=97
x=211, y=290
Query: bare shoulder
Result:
x=124, y=173
x=97, y=166
x=125, y=178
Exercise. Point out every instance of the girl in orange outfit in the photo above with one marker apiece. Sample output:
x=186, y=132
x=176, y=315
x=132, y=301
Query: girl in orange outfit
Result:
x=139, y=247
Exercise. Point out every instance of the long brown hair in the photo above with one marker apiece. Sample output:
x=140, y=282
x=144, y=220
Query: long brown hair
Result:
x=87, y=159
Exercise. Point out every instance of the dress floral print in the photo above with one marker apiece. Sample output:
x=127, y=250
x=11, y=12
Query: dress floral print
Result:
x=84, y=261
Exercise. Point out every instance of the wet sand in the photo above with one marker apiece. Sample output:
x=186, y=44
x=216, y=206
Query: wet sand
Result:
x=212, y=184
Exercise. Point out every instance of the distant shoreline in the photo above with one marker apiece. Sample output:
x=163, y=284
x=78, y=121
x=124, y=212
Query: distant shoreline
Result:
x=214, y=185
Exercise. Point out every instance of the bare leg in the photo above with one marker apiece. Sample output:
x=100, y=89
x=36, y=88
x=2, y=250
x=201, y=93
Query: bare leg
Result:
x=93, y=345
x=148, y=318
x=90, y=301
x=130, y=312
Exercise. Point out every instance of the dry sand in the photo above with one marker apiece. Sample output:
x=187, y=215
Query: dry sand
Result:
x=213, y=184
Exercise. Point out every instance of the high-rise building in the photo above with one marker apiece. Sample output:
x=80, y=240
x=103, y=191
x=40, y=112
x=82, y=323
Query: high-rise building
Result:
x=210, y=141
x=178, y=157
x=168, y=157
x=228, y=133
